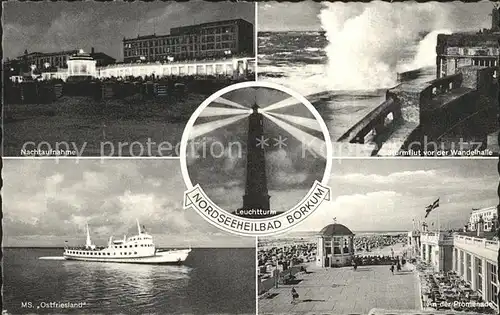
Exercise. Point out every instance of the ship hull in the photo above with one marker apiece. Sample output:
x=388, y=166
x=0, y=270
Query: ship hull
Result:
x=175, y=257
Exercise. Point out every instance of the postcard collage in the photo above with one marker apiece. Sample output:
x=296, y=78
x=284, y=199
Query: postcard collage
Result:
x=232, y=157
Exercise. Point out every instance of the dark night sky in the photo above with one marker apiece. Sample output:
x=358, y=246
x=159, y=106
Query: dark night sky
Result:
x=55, y=26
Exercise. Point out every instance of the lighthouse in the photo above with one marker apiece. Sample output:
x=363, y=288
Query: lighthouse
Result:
x=256, y=194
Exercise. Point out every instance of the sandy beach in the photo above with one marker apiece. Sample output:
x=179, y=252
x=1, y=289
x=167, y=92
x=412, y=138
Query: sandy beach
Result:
x=96, y=128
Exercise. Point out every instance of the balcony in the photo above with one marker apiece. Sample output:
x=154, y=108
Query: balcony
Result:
x=436, y=238
x=478, y=246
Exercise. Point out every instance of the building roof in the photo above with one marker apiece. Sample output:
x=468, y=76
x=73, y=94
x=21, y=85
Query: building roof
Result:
x=208, y=24
x=81, y=56
x=178, y=31
x=494, y=208
x=100, y=55
x=467, y=40
x=489, y=235
x=335, y=229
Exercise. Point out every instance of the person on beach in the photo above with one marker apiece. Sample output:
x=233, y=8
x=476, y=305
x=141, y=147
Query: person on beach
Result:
x=295, y=295
x=354, y=265
x=398, y=266
x=392, y=268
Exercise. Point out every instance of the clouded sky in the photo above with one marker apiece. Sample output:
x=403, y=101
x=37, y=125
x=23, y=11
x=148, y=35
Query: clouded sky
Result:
x=55, y=26
x=385, y=195
x=46, y=203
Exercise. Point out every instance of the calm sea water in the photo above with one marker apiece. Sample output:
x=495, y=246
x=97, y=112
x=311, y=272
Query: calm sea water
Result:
x=211, y=281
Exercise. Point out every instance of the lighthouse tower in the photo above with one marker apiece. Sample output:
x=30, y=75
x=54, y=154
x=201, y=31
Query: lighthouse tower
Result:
x=256, y=194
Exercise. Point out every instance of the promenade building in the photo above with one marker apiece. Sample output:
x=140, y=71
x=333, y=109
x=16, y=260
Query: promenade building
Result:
x=40, y=62
x=230, y=67
x=489, y=217
x=202, y=41
x=82, y=64
x=469, y=49
x=472, y=255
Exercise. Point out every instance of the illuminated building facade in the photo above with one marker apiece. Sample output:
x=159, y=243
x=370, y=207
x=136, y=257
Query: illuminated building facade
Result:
x=38, y=62
x=82, y=64
x=209, y=40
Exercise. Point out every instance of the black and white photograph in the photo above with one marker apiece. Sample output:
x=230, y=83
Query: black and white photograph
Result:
x=116, y=78
x=111, y=237
x=390, y=79
x=406, y=236
x=250, y=157
x=256, y=151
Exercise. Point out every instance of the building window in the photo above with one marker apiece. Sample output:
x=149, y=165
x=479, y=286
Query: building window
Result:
x=461, y=269
x=469, y=267
x=336, y=245
x=493, y=284
x=328, y=248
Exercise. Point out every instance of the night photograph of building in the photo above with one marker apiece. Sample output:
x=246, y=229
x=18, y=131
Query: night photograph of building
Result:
x=77, y=83
x=209, y=40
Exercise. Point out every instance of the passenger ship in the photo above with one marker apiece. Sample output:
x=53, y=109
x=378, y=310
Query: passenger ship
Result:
x=138, y=249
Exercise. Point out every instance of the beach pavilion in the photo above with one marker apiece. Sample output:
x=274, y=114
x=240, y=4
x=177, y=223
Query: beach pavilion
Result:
x=335, y=246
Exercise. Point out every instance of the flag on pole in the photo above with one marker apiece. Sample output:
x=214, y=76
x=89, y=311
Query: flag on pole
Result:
x=431, y=207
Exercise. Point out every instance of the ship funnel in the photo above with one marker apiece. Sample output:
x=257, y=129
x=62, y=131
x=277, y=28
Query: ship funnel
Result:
x=88, y=244
x=138, y=226
x=110, y=242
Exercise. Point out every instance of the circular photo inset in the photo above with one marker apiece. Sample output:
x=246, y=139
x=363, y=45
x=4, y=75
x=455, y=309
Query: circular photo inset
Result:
x=252, y=156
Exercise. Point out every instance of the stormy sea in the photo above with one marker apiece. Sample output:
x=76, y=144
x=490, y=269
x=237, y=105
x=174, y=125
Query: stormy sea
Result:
x=344, y=83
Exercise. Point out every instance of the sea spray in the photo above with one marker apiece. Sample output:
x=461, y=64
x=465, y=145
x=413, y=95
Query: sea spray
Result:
x=426, y=52
x=367, y=40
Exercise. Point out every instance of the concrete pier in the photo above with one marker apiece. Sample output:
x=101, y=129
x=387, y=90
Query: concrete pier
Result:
x=422, y=116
